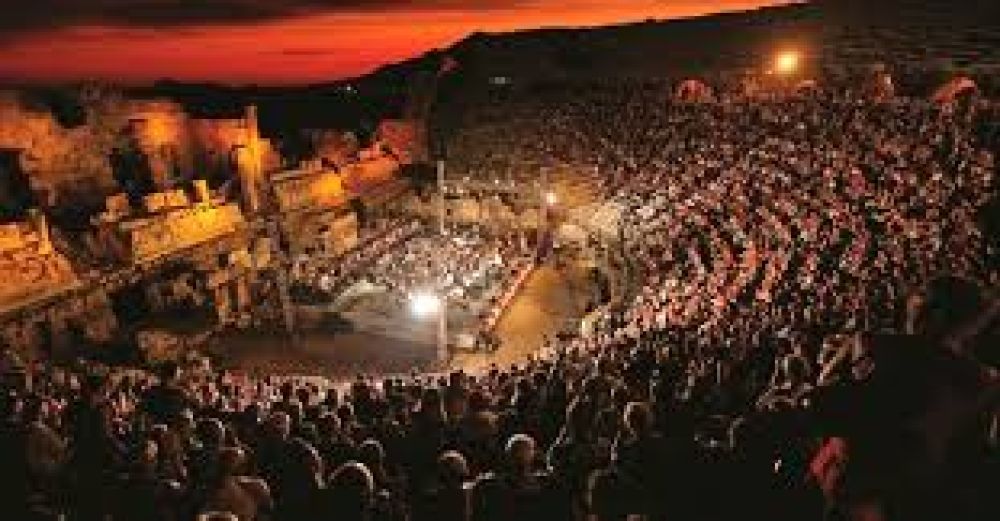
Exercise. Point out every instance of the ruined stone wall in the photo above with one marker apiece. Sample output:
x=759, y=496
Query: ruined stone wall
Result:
x=67, y=165
x=488, y=211
x=406, y=140
x=214, y=147
x=313, y=207
x=321, y=189
x=63, y=165
x=331, y=232
x=63, y=330
x=29, y=266
x=342, y=235
x=222, y=153
x=370, y=172
x=334, y=147
x=72, y=165
x=162, y=130
x=45, y=309
x=152, y=237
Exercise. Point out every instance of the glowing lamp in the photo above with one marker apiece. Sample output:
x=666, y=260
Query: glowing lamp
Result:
x=424, y=304
x=786, y=62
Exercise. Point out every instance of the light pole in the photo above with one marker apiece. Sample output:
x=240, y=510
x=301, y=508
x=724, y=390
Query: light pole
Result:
x=441, y=209
x=442, y=336
x=425, y=304
x=626, y=260
x=546, y=198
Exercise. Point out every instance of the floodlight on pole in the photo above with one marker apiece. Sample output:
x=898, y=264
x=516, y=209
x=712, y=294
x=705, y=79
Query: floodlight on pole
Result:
x=424, y=304
x=786, y=62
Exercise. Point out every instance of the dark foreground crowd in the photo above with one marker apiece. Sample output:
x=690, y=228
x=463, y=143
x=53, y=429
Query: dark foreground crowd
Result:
x=892, y=427
x=813, y=337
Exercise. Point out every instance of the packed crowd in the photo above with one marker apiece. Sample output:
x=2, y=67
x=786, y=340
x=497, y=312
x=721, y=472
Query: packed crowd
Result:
x=652, y=426
x=464, y=265
x=785, y=356
x=798, y=215
x=331, y=275
x=404, y=257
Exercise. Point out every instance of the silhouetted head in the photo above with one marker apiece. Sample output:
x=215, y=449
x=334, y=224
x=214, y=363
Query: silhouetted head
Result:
x=520, y=453
x=949, y=303
x=352, y=490
x=452, y=468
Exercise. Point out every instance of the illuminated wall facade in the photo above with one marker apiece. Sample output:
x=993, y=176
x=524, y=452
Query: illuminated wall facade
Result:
x=82, y=164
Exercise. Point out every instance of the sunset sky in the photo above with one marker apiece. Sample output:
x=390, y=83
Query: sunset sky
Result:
x=276, y=41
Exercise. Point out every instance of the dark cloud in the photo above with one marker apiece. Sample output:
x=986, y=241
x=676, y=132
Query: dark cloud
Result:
x=34, y=15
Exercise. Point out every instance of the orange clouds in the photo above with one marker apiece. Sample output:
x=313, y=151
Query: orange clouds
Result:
x=314, y=47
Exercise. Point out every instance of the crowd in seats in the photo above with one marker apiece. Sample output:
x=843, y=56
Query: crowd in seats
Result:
x=462, y=264
x=813, y=299
x=652, y=426
x=333, y=275
x=405, y=258
x=796, y=215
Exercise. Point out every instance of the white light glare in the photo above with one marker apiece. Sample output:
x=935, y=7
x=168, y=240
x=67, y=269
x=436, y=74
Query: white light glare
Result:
x=424, y=304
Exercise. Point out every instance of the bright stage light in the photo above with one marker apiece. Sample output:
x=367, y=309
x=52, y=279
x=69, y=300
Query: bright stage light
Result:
x=786, y=62
x=551, y=199
x=424, y=304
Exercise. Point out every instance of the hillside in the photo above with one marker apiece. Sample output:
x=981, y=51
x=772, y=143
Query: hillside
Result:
x=923, y=39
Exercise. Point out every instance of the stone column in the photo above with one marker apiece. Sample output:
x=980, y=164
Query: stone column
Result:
x=250, y=168
x=243, y=305
x=160, y=166
x=40, y=225
x=201, y=193
x=221, y=298
x=242, y=293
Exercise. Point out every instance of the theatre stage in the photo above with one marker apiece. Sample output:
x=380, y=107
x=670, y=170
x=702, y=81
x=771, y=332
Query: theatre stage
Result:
x=393, y=342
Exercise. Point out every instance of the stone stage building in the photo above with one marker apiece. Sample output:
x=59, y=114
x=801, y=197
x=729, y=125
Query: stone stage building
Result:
x=143, y=226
